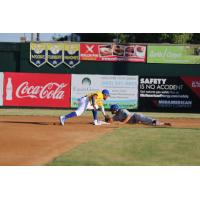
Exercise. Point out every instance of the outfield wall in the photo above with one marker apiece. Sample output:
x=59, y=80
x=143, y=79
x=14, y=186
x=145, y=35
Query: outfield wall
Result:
x=65, y=90
x=143, y=93
x=16, y=57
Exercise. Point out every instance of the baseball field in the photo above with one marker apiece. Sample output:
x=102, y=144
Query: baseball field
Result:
x=33, y=137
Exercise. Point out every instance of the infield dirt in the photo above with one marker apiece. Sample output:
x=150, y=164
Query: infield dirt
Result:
x=36, y=140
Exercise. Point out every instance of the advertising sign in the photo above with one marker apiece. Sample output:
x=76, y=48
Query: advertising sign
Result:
x=71, y=54
x=170, y=93
x=54, y=54
x=1, y=89
x=37, y=90
x=113, y=52
x=89, y=52
x=173, y=54
x=38, y=54
x=123, y=89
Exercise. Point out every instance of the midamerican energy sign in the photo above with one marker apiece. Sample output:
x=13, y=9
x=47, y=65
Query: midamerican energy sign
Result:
x=169, y=93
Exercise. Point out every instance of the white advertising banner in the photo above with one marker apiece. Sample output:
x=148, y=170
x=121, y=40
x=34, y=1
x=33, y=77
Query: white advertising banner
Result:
x=123, y=89
x=1, y=89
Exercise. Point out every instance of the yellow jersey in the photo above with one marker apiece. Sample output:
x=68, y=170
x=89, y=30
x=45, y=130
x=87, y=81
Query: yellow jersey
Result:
x=99, y=99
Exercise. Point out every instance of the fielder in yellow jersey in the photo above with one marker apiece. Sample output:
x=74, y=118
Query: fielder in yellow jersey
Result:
x=98, y=100
x=92, y=101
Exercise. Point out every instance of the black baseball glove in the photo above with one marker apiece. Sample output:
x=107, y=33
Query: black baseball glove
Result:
x=108, y=118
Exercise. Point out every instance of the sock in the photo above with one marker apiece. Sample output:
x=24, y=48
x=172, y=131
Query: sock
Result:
x=70, y=115
x=94, y=112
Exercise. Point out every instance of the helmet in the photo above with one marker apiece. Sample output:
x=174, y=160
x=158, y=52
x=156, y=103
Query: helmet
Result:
x=106, y=92
x=114, y=107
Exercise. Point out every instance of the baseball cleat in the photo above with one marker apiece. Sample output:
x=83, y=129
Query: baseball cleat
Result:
x=154, y=123
x=62, y=120
x=96, y=123
x=167, y=124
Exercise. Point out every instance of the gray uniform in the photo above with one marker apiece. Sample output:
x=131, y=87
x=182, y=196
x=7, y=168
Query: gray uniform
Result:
x=122, y=114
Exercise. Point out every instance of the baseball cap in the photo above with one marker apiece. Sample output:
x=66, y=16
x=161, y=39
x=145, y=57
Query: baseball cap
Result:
x=114, y=107
x=106, y=92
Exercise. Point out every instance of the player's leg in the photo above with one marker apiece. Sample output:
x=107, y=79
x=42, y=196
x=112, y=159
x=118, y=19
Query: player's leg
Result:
x=149, y=121
x=144, y=119
x=95, y=118
x=82, y=108
x=94, y=113
x=159, y=123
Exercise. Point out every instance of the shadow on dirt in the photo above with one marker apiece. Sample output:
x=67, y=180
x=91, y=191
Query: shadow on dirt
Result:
x=35, y=123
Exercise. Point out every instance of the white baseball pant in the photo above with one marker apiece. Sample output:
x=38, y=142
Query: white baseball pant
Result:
x=84, y=105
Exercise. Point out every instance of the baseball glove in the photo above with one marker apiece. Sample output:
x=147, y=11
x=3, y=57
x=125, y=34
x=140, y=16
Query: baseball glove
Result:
x=108, y=119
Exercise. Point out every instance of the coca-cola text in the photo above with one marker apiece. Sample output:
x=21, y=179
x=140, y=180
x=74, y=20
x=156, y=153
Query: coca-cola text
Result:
x=51, y=90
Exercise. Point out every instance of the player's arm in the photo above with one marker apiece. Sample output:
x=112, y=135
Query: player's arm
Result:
x=126, y=119
x=102, y=109
x=93, y=100
x=127, y=116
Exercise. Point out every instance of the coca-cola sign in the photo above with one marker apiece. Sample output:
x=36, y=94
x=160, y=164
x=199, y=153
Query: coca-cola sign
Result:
x=37, y=90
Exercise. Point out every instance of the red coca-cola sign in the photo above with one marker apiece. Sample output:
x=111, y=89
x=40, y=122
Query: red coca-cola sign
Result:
x=37, y=90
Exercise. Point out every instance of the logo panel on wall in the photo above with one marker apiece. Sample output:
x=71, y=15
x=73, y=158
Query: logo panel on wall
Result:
x=169, y=93
x=38, y=54
x=71, y=54
x=89, y=51
x=54, y=54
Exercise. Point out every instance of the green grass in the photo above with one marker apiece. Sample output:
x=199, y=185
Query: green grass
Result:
x=137, y=147
x=56, y=112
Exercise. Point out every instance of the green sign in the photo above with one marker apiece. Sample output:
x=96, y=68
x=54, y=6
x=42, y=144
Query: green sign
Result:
x=173, y=54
